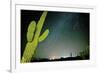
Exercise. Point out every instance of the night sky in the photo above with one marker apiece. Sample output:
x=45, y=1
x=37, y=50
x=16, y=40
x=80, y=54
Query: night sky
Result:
x=69, y=33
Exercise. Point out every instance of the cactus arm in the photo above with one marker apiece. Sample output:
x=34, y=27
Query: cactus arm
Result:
x=31, y=30
x=44, y=35
x=40, y=25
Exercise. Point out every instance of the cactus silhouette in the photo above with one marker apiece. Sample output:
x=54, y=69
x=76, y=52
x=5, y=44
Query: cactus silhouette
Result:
x=85, y=53
x=34, y=37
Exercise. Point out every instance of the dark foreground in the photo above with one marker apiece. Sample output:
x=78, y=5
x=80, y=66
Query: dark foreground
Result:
x=60, y=59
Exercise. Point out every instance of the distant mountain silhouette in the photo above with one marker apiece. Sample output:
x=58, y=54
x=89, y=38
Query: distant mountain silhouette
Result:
x=59, y=59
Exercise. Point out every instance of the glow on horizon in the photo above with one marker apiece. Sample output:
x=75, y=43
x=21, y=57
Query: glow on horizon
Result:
x=55, y=57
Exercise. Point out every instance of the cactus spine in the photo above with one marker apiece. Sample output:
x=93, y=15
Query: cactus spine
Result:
x=34, y=37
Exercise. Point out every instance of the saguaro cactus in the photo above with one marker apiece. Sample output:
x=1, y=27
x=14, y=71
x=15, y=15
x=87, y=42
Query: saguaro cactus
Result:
x=34, y=37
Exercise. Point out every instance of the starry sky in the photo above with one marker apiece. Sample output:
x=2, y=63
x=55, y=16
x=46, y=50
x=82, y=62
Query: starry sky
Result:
x=69, y=33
